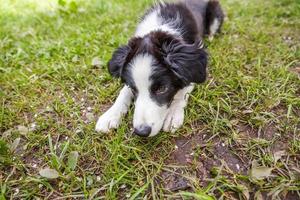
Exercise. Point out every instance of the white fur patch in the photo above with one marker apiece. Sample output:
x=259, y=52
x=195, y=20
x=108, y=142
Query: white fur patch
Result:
x=146, y=112
x=174, y=119
x=112, y=117
x=141, y=72
x=154, y=22
x=214, y=27
x=175, y=116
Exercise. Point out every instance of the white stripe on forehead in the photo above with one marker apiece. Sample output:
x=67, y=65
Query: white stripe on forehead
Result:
x=146, y=112
x=141, y=72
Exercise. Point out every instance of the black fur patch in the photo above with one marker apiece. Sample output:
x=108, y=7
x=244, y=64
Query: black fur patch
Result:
x=176, y=63
x=117, y=62
x=182, y=19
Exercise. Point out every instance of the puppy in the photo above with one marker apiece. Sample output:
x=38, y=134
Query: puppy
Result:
x=160, y=65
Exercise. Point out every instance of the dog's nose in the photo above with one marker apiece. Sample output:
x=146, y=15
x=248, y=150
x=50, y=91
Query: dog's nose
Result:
x=143, y=131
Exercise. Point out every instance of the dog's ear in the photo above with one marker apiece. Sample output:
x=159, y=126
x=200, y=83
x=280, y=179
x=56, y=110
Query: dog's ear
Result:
x=187, y=61
x=117, y=62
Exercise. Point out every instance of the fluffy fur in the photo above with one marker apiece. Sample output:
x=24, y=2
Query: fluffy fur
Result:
x=160, y=65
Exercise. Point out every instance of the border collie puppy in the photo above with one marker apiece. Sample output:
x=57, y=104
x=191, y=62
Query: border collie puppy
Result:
x=160, y=65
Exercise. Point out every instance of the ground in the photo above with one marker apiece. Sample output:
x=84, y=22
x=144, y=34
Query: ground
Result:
x=241, y=137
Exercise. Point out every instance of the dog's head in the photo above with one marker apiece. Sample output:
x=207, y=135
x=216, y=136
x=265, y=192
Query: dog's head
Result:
x=156, y=67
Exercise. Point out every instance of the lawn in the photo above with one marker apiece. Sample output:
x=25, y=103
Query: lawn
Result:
x=241, y=137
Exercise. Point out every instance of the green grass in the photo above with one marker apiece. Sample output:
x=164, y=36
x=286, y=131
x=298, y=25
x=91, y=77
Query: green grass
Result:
x=247, y=111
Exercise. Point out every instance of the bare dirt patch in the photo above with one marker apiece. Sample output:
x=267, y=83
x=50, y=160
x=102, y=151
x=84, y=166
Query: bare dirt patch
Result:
x=295, y=70
x=174, y=181
x=201, y=159
x=184, y=148
x=246, y=131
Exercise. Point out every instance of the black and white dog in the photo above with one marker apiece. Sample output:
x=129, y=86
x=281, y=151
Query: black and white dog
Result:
x=160, y=65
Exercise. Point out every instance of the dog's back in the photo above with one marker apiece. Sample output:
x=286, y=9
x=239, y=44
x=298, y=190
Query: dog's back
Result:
x=208, y=15
x=192, y=18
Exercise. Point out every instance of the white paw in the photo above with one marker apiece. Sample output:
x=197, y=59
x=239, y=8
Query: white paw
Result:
x=107, y=121
x=174, y=120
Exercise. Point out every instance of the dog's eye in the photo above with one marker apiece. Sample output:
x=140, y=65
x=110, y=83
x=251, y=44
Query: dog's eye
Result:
x=161, y=90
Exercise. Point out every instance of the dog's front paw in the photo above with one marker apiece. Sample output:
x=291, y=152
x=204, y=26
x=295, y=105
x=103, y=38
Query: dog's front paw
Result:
x=109, y=120
x=174, y=119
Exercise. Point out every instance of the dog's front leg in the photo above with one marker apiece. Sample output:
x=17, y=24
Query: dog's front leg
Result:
x=112, y=117
x=175, y=116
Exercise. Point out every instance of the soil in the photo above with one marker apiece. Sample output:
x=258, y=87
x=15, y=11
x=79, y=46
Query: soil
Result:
x=200, y=158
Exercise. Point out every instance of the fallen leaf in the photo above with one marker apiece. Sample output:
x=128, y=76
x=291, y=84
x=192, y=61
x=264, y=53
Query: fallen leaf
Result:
x=247, y=111
x=72, y=160
x=96, y=62
x=260, y=172
x=15, y=144
x=23, y=130
x=49, y=173
x=75, y=59
x=7, y=133
x=277, y=155
x=90, y=117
